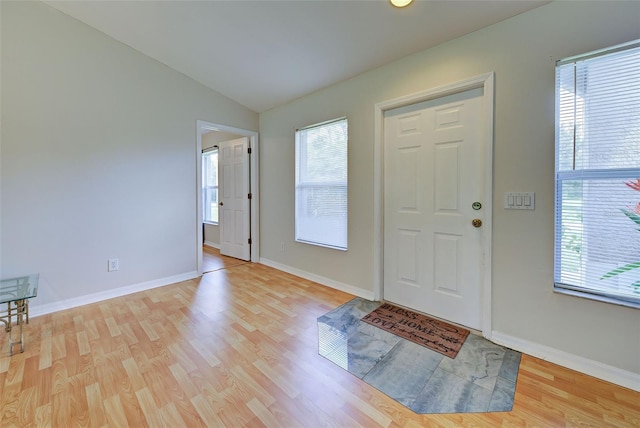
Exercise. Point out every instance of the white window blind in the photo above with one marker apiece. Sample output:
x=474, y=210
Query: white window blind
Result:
x=321, y=184
x=597, y=234
x=210, y=185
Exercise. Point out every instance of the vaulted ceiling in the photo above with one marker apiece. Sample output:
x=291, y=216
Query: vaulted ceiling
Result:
x=264, y=53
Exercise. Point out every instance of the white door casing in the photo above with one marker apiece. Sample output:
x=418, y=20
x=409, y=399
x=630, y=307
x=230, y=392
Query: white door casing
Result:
x=203, y=127
x=430, y=256
x=234, y=202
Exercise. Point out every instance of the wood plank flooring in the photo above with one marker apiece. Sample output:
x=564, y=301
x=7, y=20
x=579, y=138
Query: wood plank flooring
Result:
x=238, y=347
x=213, y=260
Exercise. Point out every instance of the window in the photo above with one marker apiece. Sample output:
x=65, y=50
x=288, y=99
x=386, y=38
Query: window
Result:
x=210, y=185
x=597, y=234
x=321, y=184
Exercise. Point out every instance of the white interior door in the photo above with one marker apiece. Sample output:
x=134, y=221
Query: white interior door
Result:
x=433, y=175
x=234, y=202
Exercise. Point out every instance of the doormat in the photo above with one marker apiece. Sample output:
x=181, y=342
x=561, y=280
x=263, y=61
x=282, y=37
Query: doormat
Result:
x=431, y=333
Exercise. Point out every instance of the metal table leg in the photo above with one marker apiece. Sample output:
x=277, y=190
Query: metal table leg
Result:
x=19, y=309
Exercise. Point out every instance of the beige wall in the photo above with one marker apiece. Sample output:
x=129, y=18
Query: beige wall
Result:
x=522, y=52
x=98, y=157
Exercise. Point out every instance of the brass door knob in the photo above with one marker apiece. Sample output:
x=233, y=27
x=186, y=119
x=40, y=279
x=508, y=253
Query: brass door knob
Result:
x=476, y=222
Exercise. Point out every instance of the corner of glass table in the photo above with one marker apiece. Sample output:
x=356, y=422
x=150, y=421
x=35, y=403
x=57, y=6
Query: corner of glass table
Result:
x=16, y=292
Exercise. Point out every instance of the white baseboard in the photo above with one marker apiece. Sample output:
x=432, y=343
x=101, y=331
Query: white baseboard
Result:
x=212, y=244
x=36, y=310
x=575, y=362
x=365, y=294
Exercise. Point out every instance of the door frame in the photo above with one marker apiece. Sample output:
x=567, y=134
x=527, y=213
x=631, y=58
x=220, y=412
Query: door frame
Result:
x=485, y=81
x=203, y=126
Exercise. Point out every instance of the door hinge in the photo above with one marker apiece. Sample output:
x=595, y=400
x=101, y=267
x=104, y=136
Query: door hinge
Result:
x=249, y=150
x=250, y=195
x=249, y=241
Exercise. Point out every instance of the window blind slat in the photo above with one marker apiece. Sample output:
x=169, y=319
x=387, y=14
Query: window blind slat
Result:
x=321, y=184
x=598, y=175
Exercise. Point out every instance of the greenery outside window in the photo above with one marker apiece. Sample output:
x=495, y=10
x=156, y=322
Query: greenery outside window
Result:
x=597, y=223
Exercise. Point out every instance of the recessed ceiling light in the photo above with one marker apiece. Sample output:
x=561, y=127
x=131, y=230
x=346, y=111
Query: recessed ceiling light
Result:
x=400, y=3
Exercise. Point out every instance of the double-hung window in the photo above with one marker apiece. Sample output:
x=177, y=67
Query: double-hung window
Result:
x=597, y=223
x=210, y=185
x=321, y=184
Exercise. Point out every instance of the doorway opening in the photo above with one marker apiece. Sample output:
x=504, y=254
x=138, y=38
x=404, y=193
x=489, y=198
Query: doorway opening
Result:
x=210, y=134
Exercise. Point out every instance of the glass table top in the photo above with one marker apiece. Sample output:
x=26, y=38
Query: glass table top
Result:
x=24, y=287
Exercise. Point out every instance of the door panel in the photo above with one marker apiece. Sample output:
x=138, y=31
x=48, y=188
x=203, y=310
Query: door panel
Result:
x=233, y=162
x=445, y=267
x=407, y=260
x=433, y=173
x=446, y=177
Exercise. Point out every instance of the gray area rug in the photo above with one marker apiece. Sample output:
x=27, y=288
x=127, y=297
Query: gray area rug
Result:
x=482, y=377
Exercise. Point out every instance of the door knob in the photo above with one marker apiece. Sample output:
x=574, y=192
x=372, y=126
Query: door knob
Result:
x=476, y=222
x=221, y=203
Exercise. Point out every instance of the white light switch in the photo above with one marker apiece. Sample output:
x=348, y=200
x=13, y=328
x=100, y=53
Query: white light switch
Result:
x=519, y=200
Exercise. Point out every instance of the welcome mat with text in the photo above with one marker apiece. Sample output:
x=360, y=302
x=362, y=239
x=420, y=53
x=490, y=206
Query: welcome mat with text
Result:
x=431, y=333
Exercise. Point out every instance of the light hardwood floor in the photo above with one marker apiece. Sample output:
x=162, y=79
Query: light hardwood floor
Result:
x=238, y=347
x=213, y=260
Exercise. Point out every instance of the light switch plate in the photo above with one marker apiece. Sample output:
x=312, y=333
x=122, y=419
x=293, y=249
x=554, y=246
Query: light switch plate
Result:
x=519, y=200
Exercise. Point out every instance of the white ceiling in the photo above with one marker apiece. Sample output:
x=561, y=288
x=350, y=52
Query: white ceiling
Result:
x=264, y=53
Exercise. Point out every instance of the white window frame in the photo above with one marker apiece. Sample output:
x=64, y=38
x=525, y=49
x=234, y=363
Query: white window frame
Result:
x=582, y=283
x=205, y=188
x=302, y=233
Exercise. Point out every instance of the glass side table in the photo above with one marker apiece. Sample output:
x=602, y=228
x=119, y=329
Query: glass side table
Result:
x=16, y=292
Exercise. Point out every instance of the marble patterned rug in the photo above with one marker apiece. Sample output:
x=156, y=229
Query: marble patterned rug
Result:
x=482, y=378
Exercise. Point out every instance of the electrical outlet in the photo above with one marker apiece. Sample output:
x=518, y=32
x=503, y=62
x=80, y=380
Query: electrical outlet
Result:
x=113, y=265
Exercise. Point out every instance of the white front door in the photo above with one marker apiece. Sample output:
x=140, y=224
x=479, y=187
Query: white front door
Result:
x=433, y=182
x=233, y=162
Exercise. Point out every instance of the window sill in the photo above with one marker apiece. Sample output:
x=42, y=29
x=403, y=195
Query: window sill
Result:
x=210, y=223
x=317, y=244
x=596, y=297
